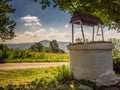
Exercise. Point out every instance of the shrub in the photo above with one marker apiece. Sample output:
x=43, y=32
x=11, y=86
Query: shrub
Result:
x=116, y=64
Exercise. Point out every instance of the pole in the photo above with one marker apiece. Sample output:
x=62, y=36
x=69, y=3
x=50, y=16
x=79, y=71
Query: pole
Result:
x=102, y=33
x=97, y=30
x=82, y=31
x=72, y=33
x=93, y=34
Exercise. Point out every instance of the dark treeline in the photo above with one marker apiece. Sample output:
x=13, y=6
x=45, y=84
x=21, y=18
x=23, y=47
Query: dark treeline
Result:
x=36, y=51
x=53, y=47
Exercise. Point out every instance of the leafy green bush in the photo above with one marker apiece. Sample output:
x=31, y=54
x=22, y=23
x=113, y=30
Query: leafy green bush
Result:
x=37, y=47
x=116, y=50
x=4, y=52
x=40, y=55
x=116, y=54
x=116, y=64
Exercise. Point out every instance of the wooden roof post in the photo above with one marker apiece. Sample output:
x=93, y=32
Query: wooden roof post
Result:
x=102, y=33
x=72, y=33
x=93, y=33
x=82, y=31
x=97, y=31
x=85, y=19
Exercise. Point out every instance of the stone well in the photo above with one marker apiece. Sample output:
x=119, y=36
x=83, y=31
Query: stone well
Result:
x=92, y=61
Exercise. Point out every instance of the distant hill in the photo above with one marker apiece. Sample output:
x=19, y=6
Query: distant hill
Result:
x=62, y=45
x=45, y=42
x=20, y=45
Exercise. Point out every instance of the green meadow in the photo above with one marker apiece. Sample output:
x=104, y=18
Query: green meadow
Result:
x=40, y=57
x=34, y=79
x=50, y=78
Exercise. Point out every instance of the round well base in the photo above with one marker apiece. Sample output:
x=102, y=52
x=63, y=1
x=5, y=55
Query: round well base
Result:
x=92, y=61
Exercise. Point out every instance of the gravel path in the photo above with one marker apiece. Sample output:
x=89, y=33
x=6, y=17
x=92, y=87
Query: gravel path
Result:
x=9, y=66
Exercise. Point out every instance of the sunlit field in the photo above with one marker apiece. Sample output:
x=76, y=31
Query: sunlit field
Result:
x=39, y=57
x=34, y=78
x=51, y=78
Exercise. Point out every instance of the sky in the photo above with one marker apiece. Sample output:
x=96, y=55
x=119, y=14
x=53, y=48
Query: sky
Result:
x=34, y=24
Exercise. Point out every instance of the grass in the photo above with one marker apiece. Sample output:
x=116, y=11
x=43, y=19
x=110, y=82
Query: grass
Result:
x=118, y=75
x=52, y=78
x=41, y=57
x=33, y=78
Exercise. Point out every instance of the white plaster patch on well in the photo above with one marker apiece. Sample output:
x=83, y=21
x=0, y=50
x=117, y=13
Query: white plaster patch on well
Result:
x=92, y=61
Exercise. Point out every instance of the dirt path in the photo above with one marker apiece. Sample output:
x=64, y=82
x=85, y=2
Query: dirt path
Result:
x=8, y=66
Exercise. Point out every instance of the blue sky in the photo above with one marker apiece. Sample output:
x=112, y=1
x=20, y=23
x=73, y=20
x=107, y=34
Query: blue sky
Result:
x=51, y=17
x=34, y=24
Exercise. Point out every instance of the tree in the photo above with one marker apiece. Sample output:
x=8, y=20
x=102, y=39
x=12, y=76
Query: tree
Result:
x=107, y=10
x=54, y=46
x=4, y=52
x=6, y=25
x=61, y=51
x=116, y=54
x=46, y=49
x=116, y=50
x=37, y=47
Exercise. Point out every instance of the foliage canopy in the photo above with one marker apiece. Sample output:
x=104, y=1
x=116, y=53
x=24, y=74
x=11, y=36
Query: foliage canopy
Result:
x=37, y=47
x=6, y=25
x=54, y=46
x=107, y=10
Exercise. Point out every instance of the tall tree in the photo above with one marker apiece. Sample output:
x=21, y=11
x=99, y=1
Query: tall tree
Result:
x=54, y=46
x=6, y=25
x=107, y=10
x=37, y=47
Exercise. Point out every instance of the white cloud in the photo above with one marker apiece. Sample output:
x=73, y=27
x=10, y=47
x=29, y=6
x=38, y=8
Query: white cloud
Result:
x=51, y=33
x=66, y=26
x=31, y=20
x=43, y=34
x=51, y=29
x=112, y=34
x=29, y=36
